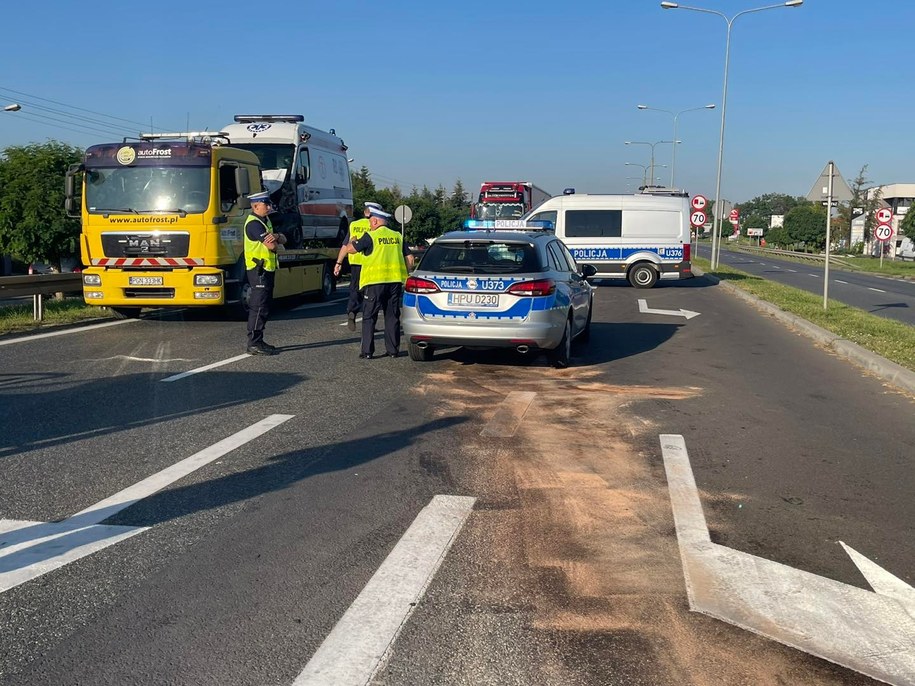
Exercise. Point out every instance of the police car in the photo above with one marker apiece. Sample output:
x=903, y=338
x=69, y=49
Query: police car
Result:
x=498, y=284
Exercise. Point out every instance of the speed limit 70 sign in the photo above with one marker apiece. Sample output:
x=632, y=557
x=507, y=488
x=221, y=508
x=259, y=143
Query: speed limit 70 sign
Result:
x=697, y=218
x=883, y=232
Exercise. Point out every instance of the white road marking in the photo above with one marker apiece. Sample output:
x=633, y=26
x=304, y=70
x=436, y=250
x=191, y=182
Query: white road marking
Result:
x=793, y=271
x=508, y=416
x=313, y=306
x=358, y=645
x=872, y=633
x=875, y=289
x=644, y=309
x=358, y=319
x=840, y=281
x=81, y=329
x=30, y=549
x=815, y=276
x=205, y=368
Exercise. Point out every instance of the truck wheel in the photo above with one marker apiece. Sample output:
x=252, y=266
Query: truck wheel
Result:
x=239, y=294
x=328, y=282
x=643, y=275
x=125, y=312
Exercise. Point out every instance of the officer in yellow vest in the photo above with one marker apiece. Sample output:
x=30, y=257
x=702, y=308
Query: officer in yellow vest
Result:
x=356, y=229
x=260, y=266
x=384, y=272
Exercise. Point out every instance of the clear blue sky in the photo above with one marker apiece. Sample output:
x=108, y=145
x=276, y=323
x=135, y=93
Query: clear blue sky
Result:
x=425, y=93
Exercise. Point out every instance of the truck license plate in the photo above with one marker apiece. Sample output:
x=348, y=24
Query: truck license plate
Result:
x=144, y=280
x=473, y=299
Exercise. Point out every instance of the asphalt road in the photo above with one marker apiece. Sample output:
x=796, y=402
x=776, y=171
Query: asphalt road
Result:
x=567, y=570
x=883, y=296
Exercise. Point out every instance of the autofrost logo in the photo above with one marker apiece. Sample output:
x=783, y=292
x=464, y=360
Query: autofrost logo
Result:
x=258, y=128
x=126, y=155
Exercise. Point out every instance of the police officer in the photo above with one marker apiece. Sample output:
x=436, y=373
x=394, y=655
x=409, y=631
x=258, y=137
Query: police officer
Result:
x=260, y=265
x=384, y=271
x=356, y=229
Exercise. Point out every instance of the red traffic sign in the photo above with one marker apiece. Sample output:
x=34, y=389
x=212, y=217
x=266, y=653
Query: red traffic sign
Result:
x=884, y=215
x=735, y=214
x=699, y=202
x=883, y=232
x=697, y=218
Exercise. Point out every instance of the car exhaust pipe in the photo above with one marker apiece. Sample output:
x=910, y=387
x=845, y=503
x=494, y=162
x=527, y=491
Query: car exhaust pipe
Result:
x=523, y=349
x=422, y=345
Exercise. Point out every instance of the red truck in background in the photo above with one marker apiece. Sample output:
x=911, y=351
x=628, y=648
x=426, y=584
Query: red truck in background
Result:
x=507, y=199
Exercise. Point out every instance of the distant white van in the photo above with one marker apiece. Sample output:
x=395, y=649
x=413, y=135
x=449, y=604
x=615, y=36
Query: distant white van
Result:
x=306, y=171
x=642, y=237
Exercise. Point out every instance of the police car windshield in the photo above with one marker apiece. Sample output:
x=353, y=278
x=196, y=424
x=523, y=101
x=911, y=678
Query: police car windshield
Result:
x=499, y=210
x=489, y=257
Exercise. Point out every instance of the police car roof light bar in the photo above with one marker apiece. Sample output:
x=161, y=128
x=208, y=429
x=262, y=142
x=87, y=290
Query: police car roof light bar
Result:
x=507, y=225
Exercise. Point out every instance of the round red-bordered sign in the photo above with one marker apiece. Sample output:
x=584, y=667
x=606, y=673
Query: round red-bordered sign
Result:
x=884, y=215
x=697, y=218
x=699, y=202
x=883, y=232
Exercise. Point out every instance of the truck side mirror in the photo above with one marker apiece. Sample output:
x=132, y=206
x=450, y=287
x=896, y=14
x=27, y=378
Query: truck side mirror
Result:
x=243, y=186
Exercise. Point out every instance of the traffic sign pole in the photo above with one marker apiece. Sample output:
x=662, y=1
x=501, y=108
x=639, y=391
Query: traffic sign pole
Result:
x=828, y=220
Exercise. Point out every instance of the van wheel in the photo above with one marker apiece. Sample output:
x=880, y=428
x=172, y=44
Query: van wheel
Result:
x=561, y=355
x=125, y=312
x=643, y=276
x=418, y=354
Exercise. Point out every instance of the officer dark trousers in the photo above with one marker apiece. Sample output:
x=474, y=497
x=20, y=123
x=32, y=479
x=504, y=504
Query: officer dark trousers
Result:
x=380, y=297
x=259, y=303
x=354, y=304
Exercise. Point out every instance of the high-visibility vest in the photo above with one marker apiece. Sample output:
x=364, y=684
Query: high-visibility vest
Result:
x=356, y=229
x=255, y=250
x=385, y=264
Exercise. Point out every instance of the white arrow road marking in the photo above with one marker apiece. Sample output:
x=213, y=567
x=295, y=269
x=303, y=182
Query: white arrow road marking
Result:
x=872, y=633
x=30, y=549
x=358, y=645
x=644, y=309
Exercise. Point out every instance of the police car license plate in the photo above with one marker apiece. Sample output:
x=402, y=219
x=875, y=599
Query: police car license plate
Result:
x=473, y=299
x=144, y=280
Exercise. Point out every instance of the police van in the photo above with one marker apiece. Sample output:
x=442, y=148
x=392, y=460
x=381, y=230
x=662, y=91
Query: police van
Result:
x=306, y=172
x=642, y=237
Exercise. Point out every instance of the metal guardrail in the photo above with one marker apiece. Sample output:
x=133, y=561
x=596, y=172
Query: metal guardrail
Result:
x=39, y=285
x=812, y=257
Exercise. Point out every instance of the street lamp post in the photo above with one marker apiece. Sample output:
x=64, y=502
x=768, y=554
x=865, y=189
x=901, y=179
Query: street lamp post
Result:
x=673, y=160
x=716, y=242
x=645, y=168
x=15, y=107
x=651, y=174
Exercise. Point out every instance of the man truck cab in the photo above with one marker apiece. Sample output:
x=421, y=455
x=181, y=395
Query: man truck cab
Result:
x=306, y=172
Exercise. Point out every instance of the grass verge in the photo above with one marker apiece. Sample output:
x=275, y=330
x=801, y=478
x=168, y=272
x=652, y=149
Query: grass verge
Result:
x=18, y=318
x=890, y=339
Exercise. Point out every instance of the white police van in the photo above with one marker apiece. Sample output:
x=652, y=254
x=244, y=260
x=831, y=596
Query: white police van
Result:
x=642, y=237
x=306, y=171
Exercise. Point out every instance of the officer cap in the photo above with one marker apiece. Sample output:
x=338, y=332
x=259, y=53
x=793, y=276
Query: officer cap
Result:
x=263, y=196
x=381, y=214
x=376, y=205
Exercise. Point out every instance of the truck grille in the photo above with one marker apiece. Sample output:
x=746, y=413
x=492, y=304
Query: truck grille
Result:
x=146, y=244
x=164, y=293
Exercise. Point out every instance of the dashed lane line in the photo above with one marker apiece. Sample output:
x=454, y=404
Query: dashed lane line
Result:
x=34, y=337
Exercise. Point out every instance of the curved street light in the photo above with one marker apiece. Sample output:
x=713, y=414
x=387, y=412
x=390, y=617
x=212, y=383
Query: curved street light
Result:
x=645, y=168
x=716, y=243
x=15, y=107
x=673, y=159
x=651, y=174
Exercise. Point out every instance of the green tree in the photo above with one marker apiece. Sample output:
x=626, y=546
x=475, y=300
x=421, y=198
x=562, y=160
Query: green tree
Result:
x=907, y=225
x=807, y=224
x=858, y=204
x=33, y=223
x=757, y=213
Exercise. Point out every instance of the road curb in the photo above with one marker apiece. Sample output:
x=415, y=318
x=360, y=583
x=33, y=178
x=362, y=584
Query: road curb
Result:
x=889, y=371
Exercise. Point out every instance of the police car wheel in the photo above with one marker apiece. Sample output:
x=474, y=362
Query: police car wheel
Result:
x=561, y=355
x=643, y=276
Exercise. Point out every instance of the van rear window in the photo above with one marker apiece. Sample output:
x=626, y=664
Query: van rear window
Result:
x=594, y=223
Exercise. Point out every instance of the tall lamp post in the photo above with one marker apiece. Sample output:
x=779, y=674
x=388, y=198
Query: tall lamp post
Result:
x=651, y=173
x=645, y=168
x=15, y=107
x=716, y=242
x=673, y=159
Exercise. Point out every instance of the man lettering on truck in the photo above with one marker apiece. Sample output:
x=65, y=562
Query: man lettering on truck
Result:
x=260, y=265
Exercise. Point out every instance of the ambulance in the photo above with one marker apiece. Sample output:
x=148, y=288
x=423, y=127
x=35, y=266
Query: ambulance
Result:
x=306, y=171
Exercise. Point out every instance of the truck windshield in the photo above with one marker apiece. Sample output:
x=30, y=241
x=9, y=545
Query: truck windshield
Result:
x=499, y=210
x=148, y=189
x=270, y=155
